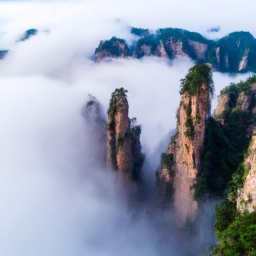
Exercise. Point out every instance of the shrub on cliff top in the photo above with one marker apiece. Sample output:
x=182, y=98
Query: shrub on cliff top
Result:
x=198, y=75
x=113, y=47
x=117, y=94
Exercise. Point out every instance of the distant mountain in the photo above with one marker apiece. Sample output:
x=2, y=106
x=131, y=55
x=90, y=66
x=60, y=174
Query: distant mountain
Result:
x=3, y=53
x=235, y=52
x=27, y=34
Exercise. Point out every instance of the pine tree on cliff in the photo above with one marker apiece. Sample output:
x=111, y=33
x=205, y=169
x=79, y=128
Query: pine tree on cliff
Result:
x=181, y=162
x=124, y=148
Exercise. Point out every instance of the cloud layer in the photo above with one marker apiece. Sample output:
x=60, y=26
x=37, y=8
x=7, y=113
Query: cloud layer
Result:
x=55, y=196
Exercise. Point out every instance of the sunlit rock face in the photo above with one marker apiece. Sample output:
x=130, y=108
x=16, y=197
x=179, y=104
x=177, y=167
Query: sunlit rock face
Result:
x=246, y=200
x=124, y=148
x=181, y=162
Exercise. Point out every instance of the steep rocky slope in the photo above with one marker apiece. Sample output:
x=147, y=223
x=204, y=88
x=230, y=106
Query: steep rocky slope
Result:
x=235, y=52
x=246, y=200
x=236, y=215
x=124, y=148
x=96, y=131
x=227, y=137
x=182, y=160
x=113, y=48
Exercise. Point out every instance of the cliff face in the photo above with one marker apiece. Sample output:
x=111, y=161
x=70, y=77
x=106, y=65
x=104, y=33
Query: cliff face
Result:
x=124, y=149
x=237, y=97
x=239, y=100
x=247, y=194
x=232, y=53
x=181, y=162
x=113, y=48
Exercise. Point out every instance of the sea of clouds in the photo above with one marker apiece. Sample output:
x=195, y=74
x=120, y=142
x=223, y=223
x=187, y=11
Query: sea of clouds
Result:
x=56, y=196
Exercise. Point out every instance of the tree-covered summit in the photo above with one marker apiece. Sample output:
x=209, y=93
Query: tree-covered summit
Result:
x=197, y=75
x=115, y=46
x=235, y=52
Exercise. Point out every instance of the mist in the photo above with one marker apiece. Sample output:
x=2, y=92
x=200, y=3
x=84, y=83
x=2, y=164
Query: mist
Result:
x=56, y=196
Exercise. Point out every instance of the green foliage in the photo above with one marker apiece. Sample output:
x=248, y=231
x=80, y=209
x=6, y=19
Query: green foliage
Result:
x=113, y=104
x=233, y=90
x=224, y=54
x=136, y=130
x=113, y=46
x=200, y=187
x=237, y=181
x=198, y=75
x=224, y=149
x=140, y=32
x=232, y=48
x=189, y=122
x=236, y=232
x=166, y=160
x=183, y=36
x=151, y=41
x=120, y=141
x=113, y=108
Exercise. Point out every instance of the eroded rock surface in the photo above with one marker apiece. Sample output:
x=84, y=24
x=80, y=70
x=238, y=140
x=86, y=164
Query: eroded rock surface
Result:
x=124, y=148
x=181, y=162
x=246, y=200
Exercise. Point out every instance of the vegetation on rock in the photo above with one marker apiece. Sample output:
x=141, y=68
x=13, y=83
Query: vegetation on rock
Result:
x=226, y=142
x=198, y=75
x=140, y=32
x=123, y=139
x=235, y=52
x=235, y=231
x=113, y=46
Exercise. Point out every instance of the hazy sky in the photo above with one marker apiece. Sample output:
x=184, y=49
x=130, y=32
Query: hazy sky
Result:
x=54, y=199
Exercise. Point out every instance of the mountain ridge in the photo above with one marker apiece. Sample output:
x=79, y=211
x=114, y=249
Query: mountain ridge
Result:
x=233, y=53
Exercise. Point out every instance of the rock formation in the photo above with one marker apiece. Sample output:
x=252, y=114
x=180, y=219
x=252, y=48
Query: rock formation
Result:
x=232, y=53
x=239, y=96
x=181, y=162
x=95, y=130
x=124, y=148
x=112, y=48
x=246, y=200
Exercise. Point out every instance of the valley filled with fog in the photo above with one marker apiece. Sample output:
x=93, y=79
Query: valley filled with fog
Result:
x=56, y=195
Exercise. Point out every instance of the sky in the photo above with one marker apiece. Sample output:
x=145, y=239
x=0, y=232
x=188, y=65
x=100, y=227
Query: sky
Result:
x=56, y=196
